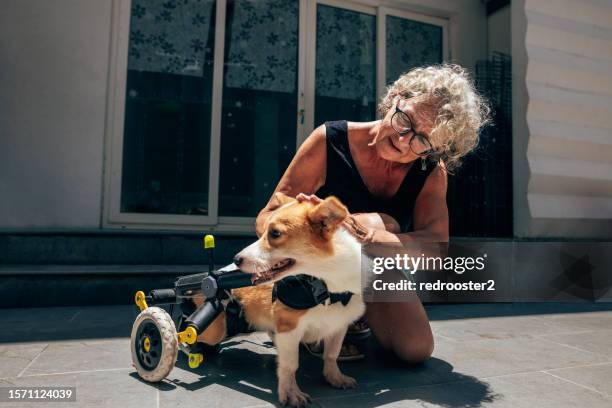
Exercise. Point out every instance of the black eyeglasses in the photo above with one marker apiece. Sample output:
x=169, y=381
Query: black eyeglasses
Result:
x=402, y=124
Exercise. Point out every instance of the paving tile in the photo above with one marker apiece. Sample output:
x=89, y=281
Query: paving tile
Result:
x=491, y=357
x=250, y=367
x=114, y=388
x=469, y=393
x=517, y=391
x=483, y=357
x=14, y=358
x=544, y=391
x=241, y=367
x=599, y=341
x=597, y=377
x=543, y=309
x=503, y=327
x=61, y=357
x=212, y=395
x=571, y=322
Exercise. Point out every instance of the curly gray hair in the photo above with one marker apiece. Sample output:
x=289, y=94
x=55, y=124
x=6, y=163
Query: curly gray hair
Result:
x=461, y=111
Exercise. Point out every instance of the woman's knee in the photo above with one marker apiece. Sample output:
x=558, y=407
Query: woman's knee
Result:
x=407, y=347
x=414, y=350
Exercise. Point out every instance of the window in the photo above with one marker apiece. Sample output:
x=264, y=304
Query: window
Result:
x=411, y=44
x=345, y=78
x=258, y=125
x=211, y=98
x=166, y=146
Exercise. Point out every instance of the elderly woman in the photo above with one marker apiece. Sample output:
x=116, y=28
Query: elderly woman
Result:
x=392, y=173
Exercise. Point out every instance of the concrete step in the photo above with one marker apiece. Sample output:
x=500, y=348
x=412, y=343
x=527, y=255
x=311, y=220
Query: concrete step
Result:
x=81, y=285
x=115, y=248
x=21, y=270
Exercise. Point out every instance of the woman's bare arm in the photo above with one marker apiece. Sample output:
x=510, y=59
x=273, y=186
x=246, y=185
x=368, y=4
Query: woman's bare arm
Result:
x=305, y=174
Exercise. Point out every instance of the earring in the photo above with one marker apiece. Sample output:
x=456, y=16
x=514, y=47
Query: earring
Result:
x=423, y=164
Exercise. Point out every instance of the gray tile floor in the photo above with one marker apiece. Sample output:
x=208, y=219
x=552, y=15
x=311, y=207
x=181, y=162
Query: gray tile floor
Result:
x=498, y=355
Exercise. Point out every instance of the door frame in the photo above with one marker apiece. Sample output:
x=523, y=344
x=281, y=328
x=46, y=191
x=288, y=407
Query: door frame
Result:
x=381, y=40
x=114, y=135
x=311, y=62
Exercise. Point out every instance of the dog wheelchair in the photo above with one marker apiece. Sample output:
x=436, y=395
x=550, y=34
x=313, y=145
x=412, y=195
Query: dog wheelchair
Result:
x=157, y=336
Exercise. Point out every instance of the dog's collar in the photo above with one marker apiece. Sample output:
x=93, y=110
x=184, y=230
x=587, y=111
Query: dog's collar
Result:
x=305, y=292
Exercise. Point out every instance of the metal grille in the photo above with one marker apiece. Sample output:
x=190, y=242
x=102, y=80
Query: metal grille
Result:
x=480, y=192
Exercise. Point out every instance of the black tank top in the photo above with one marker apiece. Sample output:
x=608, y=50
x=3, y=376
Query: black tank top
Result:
x=344, y=181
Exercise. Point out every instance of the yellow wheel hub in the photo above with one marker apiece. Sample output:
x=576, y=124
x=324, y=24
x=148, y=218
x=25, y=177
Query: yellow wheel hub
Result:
x=146, y=344
x=195, y=359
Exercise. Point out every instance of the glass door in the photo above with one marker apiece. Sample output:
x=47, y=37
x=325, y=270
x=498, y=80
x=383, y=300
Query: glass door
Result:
x=259, y=103
x=166, y=150
x=360, y=49
x=345, y=63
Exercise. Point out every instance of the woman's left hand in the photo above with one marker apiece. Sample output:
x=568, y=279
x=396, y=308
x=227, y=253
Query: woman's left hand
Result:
x=379, y=221
x=366, y=226
x=301, y=197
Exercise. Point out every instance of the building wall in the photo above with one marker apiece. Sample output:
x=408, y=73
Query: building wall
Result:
x=54, y=79
x=54, y=60
x=563, y=118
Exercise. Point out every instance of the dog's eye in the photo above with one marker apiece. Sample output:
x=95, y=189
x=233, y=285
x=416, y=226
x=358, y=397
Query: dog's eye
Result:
x=274, y=234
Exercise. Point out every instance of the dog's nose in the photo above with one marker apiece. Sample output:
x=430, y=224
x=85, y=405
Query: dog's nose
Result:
x=238, y=260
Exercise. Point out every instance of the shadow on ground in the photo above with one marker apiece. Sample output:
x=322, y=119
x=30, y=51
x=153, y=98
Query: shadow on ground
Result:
x=382, y=379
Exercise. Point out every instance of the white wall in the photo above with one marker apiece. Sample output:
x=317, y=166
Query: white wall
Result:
x=54, y=63
x=53, y=80
x=562, y=118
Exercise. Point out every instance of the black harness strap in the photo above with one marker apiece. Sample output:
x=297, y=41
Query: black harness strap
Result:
x=305, y=292
x=298, y=292
x=235, y=320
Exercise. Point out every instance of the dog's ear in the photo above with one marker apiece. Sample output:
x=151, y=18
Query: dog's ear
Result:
x=327, y=215
x=279, y=199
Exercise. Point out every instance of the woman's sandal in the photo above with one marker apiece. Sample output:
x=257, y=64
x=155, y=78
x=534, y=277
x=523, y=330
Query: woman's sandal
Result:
x=359, y=328
x=348, y=352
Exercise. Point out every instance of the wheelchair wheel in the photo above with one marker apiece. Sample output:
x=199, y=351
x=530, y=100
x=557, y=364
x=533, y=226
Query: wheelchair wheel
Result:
x=154, y=344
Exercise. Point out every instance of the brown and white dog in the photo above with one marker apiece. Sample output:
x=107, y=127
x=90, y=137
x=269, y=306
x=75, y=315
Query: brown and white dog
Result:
x=301, y=238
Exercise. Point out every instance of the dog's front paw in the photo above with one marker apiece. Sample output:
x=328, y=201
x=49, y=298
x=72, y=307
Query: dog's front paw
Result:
x=293, y=396
x=339, y=380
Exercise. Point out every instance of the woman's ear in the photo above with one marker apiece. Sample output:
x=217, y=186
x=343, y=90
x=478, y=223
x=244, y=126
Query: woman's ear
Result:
x=326, y=216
